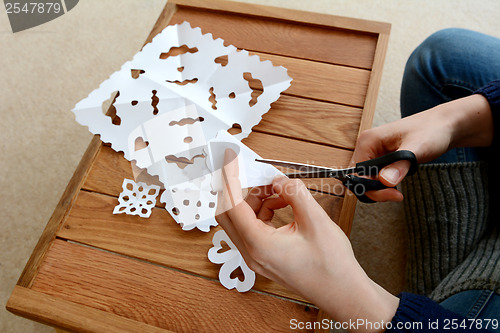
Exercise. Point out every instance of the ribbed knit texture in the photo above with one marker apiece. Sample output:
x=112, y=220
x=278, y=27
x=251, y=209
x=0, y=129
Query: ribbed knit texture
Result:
x=480, y=270
x=490, y=91
x=450, y=246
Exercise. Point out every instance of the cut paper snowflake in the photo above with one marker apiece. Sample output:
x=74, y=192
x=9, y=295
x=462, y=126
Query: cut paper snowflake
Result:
x=231, y=260
x=136, y=198
x=193, y=204
x=170, y=100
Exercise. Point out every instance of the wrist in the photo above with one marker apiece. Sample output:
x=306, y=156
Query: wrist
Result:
x=362, y=301
x=471, y=121
x=377, y=308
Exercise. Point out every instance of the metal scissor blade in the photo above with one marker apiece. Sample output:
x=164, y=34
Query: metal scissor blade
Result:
x=308, y=171
x=312, y=174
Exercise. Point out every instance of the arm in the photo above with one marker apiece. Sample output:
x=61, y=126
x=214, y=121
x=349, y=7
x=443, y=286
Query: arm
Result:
x=465, y=122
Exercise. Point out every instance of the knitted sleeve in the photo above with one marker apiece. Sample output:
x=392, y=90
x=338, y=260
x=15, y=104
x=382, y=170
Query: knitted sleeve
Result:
x=421, y=314
x=492, y=93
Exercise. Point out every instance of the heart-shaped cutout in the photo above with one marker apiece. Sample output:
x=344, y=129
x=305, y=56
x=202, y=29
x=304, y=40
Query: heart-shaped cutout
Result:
x=232, y=262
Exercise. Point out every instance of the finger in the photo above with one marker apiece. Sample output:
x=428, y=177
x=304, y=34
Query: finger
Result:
x=370, y=144
x=268, y=207
x=256, y=195
x=225, y=222
x=394, y=173
x=251, y=230
x=240, y=214
x=388, y=194
x=231, y=194
x=295, y=193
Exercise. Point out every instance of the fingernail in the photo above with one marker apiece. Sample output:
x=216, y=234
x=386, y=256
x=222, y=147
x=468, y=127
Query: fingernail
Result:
x=391, y=175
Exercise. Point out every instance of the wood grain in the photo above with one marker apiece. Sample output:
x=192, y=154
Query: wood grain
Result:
x=318, y=122
x=281, y=37
x=157, y=296
x=289, y=15
x=349, y=206
x=70, y=316
x=324, y=82
x=159, y=239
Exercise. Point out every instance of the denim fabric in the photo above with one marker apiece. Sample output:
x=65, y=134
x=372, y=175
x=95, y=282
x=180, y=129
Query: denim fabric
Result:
x=476, y=304
x=450, y=64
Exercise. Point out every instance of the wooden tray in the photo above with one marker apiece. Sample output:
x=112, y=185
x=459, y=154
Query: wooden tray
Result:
x=94, y=271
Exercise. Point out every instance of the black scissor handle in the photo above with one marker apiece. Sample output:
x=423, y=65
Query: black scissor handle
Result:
x=372, y=167
x=359, y=186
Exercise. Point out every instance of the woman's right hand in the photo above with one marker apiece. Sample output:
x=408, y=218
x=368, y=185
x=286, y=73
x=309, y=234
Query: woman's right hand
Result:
x=465, y=122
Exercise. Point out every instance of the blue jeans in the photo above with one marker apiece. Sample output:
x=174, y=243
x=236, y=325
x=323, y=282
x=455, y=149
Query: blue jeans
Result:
x=475, y=304
x=451, y=64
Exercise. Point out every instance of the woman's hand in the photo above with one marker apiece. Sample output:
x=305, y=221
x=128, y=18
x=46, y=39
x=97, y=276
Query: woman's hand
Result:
x=310, y=255
x=465, y=122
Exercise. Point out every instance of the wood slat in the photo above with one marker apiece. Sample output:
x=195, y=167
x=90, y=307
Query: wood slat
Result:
x=157, y=296
x=159, y=238
x=285, y=38
x=325, y=82
x=289, y=15
x=314, y=121
x=73, y=317
x=110, y=168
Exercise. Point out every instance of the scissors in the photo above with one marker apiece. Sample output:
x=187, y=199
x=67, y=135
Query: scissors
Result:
x=358, y=185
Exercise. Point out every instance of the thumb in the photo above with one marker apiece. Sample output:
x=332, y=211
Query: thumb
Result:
x=394, y=173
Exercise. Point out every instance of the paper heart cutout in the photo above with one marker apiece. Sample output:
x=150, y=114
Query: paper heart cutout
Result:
x=230, y=260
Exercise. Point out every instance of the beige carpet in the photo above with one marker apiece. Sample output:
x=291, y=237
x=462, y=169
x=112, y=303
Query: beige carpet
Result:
x=47, y=69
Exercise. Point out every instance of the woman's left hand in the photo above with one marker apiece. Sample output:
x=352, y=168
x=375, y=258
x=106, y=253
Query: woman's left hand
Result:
x=310, y=255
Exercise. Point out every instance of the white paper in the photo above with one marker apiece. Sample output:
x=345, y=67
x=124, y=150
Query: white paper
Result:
x=169, y=105
x=230, y=260
x=251, y=172
x=136, y=198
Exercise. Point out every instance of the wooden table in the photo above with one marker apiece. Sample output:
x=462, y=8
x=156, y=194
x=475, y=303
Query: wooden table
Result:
x=94, y=271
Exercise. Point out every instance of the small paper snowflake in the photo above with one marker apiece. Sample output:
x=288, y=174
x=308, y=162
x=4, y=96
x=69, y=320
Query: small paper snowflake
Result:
x=136, y=198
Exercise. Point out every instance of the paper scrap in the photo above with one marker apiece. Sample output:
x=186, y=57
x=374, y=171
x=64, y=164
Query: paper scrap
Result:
x=136, y=198
x=230, y=260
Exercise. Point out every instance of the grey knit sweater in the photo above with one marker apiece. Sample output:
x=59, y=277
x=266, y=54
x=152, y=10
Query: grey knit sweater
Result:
x=453, y=235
